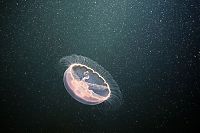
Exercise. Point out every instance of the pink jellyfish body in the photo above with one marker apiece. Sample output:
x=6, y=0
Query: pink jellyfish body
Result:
x=88, y=82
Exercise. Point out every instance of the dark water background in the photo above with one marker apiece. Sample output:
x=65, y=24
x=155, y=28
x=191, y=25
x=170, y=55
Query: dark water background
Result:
x=151, y=48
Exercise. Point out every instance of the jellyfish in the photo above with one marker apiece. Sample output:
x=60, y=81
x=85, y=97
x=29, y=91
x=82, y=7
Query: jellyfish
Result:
x=89, y=83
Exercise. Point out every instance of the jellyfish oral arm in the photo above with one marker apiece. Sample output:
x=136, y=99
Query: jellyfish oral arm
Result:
x=97, y=87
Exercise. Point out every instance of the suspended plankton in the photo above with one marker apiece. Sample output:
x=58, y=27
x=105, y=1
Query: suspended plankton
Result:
x=89, y=83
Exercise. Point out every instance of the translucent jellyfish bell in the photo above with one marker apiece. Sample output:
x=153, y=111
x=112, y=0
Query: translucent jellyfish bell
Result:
x=88, y=82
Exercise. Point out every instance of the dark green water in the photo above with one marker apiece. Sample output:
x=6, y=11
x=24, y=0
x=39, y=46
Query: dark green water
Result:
x=149, y=47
